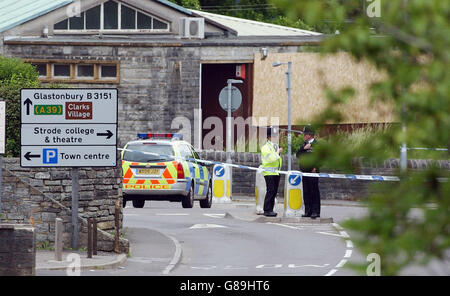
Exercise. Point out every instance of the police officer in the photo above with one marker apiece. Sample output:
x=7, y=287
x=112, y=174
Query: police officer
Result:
x=311, y=193
x=271, y=159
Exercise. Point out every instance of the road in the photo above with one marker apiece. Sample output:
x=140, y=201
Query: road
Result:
x=169, y=240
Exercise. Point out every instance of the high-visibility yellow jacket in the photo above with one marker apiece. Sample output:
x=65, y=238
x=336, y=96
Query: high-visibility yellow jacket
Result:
x=270, y=159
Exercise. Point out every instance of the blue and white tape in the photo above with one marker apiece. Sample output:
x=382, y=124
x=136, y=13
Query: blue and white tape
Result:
x=317, y=175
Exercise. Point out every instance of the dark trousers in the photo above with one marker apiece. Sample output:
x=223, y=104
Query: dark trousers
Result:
x=311, y=195
x=272, y=183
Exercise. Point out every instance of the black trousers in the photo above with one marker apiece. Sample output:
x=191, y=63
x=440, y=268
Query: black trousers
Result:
x=272, y=183
x=311, y=195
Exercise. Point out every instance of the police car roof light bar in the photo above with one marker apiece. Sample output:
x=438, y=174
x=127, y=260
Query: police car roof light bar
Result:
x=172, y=136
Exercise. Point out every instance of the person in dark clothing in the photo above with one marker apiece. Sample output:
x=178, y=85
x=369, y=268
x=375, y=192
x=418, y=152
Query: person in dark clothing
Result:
x=311, y=193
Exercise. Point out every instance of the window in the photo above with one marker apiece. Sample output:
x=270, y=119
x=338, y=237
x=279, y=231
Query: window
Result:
x=117, y=17
x=108, y=71
x=61, y=70
x=77, y=71
x=42, y=69
x=85, y=71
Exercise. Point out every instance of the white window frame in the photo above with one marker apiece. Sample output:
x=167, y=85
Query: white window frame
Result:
x=119, y=24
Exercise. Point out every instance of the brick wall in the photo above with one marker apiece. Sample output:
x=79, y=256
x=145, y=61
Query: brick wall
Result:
x=39, y=195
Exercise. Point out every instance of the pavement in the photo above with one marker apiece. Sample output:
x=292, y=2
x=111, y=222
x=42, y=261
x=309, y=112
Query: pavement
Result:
x=159, y=244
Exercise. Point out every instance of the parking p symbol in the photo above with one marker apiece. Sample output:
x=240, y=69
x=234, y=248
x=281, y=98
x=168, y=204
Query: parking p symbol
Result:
x=50, y=156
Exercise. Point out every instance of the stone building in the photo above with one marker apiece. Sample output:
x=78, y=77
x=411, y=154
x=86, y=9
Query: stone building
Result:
x=166, y=61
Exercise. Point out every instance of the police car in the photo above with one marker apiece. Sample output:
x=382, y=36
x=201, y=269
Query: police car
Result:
x=161, y=166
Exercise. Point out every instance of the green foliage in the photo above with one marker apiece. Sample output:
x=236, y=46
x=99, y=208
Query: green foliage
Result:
x=14, y=75
x=192, y=4
x=410, y=43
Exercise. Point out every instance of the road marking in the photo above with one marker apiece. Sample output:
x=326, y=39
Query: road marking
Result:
x=327, y=233
x=348, y=254
x=202, y=226
x=344, y=234
x=331, y=272
x=349, y=243
x=172, y=214
x=284, y=225
x=307, y=265
x=337, y=226
x=341, y=263
x=176, y=257
x=215, y=215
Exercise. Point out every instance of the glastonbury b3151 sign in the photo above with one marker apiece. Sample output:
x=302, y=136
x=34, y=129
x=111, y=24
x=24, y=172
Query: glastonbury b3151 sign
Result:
x=68, y=127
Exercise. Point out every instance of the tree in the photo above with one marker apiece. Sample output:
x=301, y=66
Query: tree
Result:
x=409, y=41
x=14, y=75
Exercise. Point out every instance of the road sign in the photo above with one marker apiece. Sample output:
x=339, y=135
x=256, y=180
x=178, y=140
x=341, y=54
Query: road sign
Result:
x=236, y=98
x=219, y=171
x=2, y=127
x=68, y=127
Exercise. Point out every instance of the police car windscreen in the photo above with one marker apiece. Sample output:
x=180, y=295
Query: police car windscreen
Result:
x=156, y=152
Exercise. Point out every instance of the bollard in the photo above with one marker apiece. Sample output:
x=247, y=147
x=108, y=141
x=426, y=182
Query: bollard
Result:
x=58, y=239
x=90, y=241
x=293, y=195
x=116, y=226
x=260, y=192
x=221, y=179
x=94, y=236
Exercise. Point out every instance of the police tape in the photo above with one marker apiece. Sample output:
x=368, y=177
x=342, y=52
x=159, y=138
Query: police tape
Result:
x=421, y=148
x=316, y=175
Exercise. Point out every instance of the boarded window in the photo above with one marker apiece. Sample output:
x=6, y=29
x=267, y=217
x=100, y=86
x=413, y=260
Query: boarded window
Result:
x=110, y=16
x=93, y=18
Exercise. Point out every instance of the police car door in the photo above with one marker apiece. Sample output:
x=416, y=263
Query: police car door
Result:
x=194, y=173
x=203, y=174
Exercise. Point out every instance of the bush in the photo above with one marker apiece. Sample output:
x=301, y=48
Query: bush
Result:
x=14, y=75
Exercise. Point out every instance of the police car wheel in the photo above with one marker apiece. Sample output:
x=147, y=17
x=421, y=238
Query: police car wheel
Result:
x=138, y=203
x=188, y=201
x=206, y=203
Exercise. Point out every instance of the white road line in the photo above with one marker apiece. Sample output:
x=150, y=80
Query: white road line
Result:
x=348, y=254
x=349, y=243
x=337, y=226
x=202, y=226
x=215, y=215
x=327, y=233
x=172, y=214
x=344, y=234
x=284, y=225
x=341, y=263
x=331, y=272
x=176, y=257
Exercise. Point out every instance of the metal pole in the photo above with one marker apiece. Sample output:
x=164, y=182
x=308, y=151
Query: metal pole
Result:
x=289, y=90
x=90, y=240
x=229, y=124
x=94, y=236
x=75, y=208
x=58, y=239
x=403, y=149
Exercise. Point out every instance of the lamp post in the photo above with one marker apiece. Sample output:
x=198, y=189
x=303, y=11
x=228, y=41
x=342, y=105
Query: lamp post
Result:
x=230, y=83
x=289, y=91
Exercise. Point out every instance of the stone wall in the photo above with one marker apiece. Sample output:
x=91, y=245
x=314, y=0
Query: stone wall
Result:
x=342, y=189
x=39, y=195
x=17, y=250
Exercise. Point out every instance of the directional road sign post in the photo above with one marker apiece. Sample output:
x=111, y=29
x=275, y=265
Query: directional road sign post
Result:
x=69, y=128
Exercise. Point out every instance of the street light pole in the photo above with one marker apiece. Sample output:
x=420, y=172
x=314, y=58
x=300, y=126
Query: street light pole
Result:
x=289, y=91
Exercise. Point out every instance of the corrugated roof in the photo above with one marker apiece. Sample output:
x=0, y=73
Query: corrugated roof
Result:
x=16, y=12
x=245, y=27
